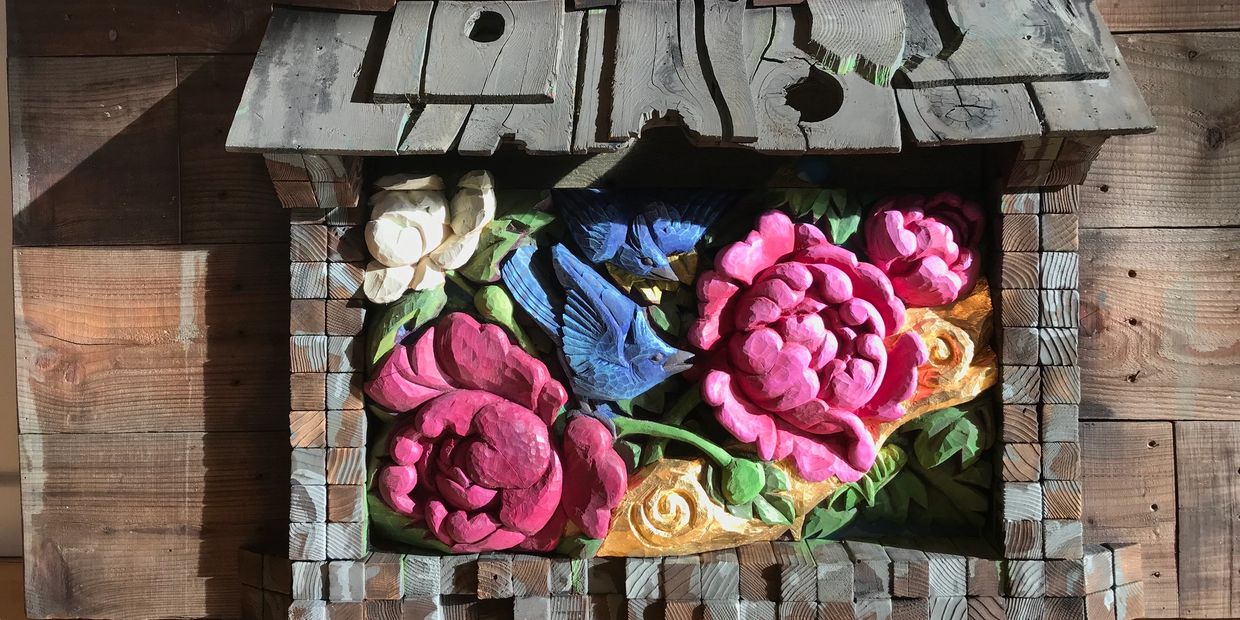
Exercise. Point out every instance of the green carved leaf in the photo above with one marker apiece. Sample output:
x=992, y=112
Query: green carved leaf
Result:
x=776, y=478
x=887, y=464
x=822, y=522
x=843, y=505
x=412, y=311
x=774, y=509
x=519, y=215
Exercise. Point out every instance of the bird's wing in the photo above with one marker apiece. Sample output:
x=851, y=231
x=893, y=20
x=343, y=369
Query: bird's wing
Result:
x=596, y=315
x=678, y=227
x=595, y=220
x=531, y=286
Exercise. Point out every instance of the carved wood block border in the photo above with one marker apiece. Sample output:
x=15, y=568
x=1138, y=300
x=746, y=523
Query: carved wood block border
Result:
x=330, y=571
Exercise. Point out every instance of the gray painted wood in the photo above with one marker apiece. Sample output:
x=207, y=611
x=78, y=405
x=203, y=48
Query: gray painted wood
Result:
x=400, y=73
x=590, y=131
x=866, y=36
x=435, y=129
x=1111, y=106
x=723, y=23
x=299, y=96
x=1009, y=41
x=946, y=115
x=517, y=67
x=835, y=572
x=658, y=72
x=866, y=121
x=540, y=128
x=925, y=37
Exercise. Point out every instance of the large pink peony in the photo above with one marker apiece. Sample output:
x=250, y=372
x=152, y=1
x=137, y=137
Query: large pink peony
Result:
x=474, y=457
x=927, y=247
x=803, y=354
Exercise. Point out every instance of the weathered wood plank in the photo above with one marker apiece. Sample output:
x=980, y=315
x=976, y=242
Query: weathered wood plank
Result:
x=82, y=128
x=225, y=197
x=115, y=340
x=300, y=95
x=924, y=34
x=591, y=128
x=866, y=36
x=404, y=54
x=1008, y=41
x=1183, y=174
x=969, y=114
x=493, y=52
x=1207, y=459
x=146, y=524
x=1106, y=106
x=1158, y=338
x=539, y=128
x=658, y=72
x=727, y=44
x=1129, y=483
x=802, y=108
x=1136, y=15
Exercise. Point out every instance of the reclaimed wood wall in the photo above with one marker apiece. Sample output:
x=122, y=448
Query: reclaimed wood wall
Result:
x=151, y=300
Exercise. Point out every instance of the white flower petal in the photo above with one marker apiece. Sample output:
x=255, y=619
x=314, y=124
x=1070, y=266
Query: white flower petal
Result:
x=395, y=243
x=476, y=179
x=387, y=202
x=472, y=209
x=411, y=181
x=384, y=285
x=456, y=250
x=427, y=276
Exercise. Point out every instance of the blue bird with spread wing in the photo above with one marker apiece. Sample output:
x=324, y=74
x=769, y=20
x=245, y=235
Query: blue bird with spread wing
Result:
x=609, y=347
x=637, y=231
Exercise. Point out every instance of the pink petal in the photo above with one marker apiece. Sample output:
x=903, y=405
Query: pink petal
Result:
x=808, y=235
x=397, y=387
x=481, y=357
x=395, y=484
x=714, y=294
x=406, y=447
x=600, y=477
x=746, y=422
x=900, y=381
x=847, y=454
x=932, y=283
x=463, y=527
x=547, y=538
x=464, y=496
x=762, y=248
x=527, y=510
x=511, y=449
x=789, y=383
x=452, y=413
x=498, y=540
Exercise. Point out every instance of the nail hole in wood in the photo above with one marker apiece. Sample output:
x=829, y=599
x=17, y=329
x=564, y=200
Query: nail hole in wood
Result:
x=1132, y=273
x=817, y=97
x=486, y=26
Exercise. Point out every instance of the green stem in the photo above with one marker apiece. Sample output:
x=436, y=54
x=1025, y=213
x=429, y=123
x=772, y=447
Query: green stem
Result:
x=461, y=282
x=632, y=426
x=686, y=403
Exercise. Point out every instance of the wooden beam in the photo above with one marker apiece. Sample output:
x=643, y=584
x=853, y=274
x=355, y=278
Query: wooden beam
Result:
x=404, y=54
x=1158, y=340
x=1207, y=458
x=1129, y=486
x=170, y=508
x=112, y=340
x=866, y=36
x=140, y=27
x=969, y=114
x=1139, y=15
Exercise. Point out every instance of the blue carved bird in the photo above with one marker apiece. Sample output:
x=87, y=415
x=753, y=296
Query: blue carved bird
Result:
x=610, y=350
x=637, y=231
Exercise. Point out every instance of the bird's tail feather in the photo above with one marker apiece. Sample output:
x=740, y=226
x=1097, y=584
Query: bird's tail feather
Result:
x=530, y=285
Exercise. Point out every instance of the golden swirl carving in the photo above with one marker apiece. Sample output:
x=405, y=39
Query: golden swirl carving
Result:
x=667, y=510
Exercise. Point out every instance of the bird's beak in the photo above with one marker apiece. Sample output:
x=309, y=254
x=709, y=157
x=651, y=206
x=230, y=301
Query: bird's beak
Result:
x=678, y=362
x=664, y=273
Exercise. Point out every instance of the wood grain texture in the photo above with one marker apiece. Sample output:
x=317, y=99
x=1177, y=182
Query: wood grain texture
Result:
x=404, y=54
x=1182, y=175
x=946, y=115
x=199, y=348
x=866, y=36
x=519, y=66
x=1158, y=339
x=593, y=122
x=92, y=503
x=1014, y=41
x=82, y=128
x=1129, y=482
x=658, y=71
x=1018, y=308
x=1135, y=15
x=539, y=128
x=724, y=26
x=300, y=92
x=1208, y=502
x=850, y=115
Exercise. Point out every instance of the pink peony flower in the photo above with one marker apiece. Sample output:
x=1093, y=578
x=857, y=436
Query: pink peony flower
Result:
x=474, y=457
x=802, y=355
x=927, y=247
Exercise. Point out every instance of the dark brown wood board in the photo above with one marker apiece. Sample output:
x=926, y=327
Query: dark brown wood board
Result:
x=1169, y=15
x=493, y=52
x=300, y=95
x=203, y=346
x=1009, y=41
x=1158, y=338
x=1207, y=456
x=83, y=128
x=146, y=524
x=1129, y=485
x=658, y=72
x=1184, y=174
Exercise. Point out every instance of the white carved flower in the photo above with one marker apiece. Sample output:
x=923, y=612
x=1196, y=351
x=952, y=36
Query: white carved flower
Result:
x=415, y=235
